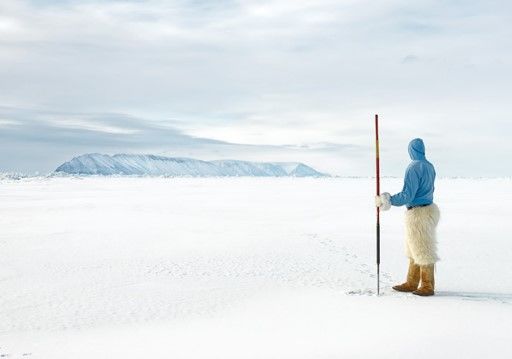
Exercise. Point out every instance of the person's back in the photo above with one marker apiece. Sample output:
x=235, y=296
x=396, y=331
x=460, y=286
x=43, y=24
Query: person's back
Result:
x=419, y=179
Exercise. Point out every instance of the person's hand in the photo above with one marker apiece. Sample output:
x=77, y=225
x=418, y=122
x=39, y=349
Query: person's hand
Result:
x=383, y=201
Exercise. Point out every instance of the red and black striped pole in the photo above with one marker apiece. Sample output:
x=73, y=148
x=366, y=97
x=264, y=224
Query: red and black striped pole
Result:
x=377, y=168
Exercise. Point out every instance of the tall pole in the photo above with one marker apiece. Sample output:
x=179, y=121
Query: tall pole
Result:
x=377, y=168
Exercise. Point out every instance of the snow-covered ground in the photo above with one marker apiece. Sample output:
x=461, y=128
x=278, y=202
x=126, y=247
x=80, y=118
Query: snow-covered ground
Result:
x=245, y=268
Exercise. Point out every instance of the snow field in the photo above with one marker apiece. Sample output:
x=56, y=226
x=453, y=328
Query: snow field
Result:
x=104, y=267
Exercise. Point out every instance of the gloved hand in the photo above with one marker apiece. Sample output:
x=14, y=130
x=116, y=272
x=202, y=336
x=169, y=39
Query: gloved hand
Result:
x=383, y=201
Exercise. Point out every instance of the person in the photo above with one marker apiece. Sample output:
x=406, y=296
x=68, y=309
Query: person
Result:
x=421, y=219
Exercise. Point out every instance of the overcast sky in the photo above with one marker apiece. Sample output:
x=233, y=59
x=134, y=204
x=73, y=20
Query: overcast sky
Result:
x=263, y=80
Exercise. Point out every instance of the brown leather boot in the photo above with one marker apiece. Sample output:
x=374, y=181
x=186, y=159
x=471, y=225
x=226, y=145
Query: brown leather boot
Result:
x=427, y=281
x=413, y=279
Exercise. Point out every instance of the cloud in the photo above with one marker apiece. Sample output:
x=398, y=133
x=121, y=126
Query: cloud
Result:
x=264, y=73
x=33, y=140
x=409, y=59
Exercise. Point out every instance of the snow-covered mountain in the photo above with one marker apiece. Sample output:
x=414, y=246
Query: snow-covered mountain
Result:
x=125, y=164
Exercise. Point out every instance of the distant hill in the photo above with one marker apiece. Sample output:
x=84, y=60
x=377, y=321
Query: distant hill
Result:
x=151, y=165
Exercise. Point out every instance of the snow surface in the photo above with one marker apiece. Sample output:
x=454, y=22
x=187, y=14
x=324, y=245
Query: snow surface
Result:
x=103, y=267
x=124, y=164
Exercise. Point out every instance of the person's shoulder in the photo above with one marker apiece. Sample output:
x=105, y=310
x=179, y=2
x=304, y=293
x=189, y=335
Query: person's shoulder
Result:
x=414, y=168
x=429, y=164
x=420, y=166
x=414, y=164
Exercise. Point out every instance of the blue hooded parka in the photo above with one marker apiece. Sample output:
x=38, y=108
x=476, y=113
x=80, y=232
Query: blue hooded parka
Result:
x=419, y=179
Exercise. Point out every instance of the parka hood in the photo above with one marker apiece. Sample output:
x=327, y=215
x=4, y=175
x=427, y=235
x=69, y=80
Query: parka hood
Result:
x=417, y=149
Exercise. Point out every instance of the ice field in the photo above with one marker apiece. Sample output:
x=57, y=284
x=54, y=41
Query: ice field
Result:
x=111, y=267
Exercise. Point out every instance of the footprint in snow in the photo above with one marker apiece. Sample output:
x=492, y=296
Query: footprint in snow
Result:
x=361, y=292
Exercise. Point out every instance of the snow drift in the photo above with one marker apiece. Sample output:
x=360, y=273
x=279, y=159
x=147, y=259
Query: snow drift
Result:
x=125, y=164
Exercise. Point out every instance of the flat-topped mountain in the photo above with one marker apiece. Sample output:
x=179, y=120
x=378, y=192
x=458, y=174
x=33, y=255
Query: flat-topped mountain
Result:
x=151, y=165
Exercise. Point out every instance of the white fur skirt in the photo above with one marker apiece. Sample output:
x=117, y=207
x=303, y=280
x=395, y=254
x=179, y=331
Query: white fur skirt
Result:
x=420, y=234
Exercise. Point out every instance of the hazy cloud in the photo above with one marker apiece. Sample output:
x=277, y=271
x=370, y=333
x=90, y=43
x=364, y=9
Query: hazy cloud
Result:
x=265, y=73
x=32, y=140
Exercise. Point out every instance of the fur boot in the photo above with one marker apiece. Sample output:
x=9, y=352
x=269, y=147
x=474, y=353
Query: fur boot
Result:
x=420, y=225
x=413, y=279
x=427, y=281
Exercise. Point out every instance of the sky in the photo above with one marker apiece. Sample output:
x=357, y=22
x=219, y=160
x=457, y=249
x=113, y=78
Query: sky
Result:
x=296, y=80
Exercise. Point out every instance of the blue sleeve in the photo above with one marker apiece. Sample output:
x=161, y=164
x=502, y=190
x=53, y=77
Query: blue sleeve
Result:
x=411, y=185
